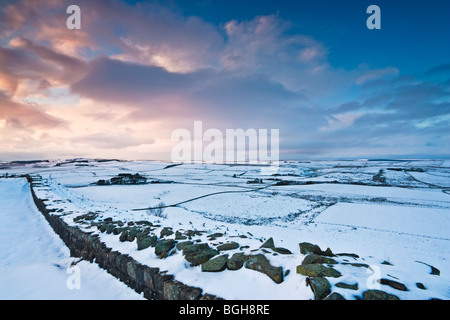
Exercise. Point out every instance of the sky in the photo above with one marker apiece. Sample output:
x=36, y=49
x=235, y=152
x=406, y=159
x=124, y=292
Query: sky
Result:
x=138, y=70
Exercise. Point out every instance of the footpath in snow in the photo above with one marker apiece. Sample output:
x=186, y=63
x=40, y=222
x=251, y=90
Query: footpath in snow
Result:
x=35, y=263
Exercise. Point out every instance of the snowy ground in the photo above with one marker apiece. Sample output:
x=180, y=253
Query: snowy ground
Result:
x=395, y=215
x=35, y=263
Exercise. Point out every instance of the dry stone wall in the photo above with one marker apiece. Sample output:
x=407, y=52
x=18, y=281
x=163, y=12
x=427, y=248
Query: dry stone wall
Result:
x=152, y=282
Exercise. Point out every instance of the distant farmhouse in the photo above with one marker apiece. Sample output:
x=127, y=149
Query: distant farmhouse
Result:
x=124, y=178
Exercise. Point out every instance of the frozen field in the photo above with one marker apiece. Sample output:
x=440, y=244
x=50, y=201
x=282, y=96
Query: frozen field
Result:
x=416, y=221
x=394, y=215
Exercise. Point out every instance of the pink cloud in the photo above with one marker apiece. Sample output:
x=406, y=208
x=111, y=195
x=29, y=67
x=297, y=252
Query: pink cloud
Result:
x=25, y=116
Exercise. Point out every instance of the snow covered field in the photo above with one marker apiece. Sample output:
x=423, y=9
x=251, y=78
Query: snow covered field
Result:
x=35, y=263
x=394, y=215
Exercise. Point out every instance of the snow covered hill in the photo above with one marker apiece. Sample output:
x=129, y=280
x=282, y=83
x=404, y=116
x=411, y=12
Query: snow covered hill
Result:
x=385, y=222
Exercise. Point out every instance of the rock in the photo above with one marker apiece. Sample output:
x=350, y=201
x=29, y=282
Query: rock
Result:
x=378, y=295
x=393, y=284
x=145, y=242
x=179, y=236
x=328, y=253
x=228, y=246
x=142, y=233
x=317, y=270
x=214, y=236
x=334, y=296
x=144, y=223
x=307, y=248
x=268, y=244
x=172, y=290
x=148, y=274
x=281, y=250
x=132, y=269
x=200, y=257
x=191, y=233
x=355, y=256
x=208, y=297
x=236, y=261
x=420, y=286
x=314, y=258
x=102, y=227
x=194, y=247
x=163, y=247
x=159, y=280
x=166, y=231
x=132, y=234
x=182, y=245
x=198, y=253
x=260, y=263
x=108, y=228
x=347, y=286
x=88, y=216
x=123, y=236
x=118, y=230
x=320, y=286
x=434, y=271
x=358, y=265
x=190, y=293
x=216, y=264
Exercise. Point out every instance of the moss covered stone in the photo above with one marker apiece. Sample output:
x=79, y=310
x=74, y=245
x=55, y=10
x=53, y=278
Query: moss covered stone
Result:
x=334, y=296
x=260, y=263
x=145, y=242
x=307, y=248
x=281, y=250
x=268, y=244
x=236, y=261
x=378, y=295
x=321, y=287
x=315, y=258
x=317, y=270
x=163, y=247
x=216, y=264
x=198, y=253
x=166, y=231
x=179, y=236
x=228, y=246
x=347, y=286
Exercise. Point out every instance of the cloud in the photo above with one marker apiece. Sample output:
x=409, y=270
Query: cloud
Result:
x=111, y=140
x=441, y=69
x=221, y=98
x=149, y=67
x=253, y=43
x=24, y=116
x=27, y=65
x=44, y=21
x=376, y=74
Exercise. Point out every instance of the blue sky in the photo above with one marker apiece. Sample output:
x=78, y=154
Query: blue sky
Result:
x=138, y=70
x=414, y=34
